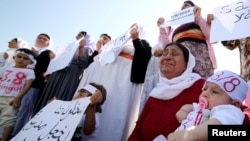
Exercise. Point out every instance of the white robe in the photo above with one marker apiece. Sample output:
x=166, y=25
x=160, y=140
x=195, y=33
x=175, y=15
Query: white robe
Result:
x=121, y=108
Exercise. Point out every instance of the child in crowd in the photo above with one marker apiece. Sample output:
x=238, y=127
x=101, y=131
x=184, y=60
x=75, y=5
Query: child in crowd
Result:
x=88, y=126
x=44, y=53
x=219, y=103
x=15, y=82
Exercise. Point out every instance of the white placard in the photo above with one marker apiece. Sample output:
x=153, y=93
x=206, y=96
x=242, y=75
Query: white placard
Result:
x=112, y=49
x=63, y=57
x=57, y=121
x=231, y=21
x=179, y=17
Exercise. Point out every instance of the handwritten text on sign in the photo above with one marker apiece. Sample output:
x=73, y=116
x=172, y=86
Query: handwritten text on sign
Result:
x=57, y=121
x=179, y=17
x=231, y=21
x=112, y=49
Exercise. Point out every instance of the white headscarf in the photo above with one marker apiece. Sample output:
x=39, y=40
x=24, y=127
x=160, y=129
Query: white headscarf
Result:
x=169, y=88
x=22, y=43
x=231, y=83
x=90, y=42
x=42, y=49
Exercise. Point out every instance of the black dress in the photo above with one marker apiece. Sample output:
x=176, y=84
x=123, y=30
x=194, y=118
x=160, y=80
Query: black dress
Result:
x=62, y=84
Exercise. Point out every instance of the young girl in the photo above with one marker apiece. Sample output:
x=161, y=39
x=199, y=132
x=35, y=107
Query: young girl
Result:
x=88, y=126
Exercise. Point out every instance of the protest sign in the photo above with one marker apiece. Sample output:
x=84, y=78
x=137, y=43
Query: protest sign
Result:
x=63, y=56
x=179, y=17
x=231, y=21
x=57, y=121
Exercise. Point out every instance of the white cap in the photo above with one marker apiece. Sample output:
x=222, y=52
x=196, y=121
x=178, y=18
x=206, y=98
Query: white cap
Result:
x=233, y=84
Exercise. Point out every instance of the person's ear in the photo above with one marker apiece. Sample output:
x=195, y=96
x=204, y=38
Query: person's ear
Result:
x=14, y=57
x=236, y=103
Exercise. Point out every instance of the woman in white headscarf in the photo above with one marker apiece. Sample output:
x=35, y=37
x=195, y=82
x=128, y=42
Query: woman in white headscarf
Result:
x=177, y=86
x=123, y=80
x=63, y=83
x=43, y=50
x=7, y=56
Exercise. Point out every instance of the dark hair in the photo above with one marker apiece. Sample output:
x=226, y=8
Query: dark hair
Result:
x=15, y=39
x=44, y=34
x=28, y=51
x=84, y=33
x=103, y=91
x=105, y=34
x=182, y=47
x=189, y=2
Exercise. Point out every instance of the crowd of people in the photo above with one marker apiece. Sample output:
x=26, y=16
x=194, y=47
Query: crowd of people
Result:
x=144, y=94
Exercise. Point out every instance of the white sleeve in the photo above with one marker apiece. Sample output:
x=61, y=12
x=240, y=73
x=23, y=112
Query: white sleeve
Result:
x=30, y=74
x=227, y=114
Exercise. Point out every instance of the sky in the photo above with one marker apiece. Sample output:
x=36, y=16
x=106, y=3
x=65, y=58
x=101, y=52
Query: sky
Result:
x=63, y=19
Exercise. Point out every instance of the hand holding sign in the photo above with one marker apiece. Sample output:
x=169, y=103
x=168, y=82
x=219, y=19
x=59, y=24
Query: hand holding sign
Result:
x=210, y=18
x=134, y=33
x=197, y=11
x=112, y=49
x=179, y=17
x=160, y=21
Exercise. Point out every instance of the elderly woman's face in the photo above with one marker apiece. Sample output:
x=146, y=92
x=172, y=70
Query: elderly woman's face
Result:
x=172, y=62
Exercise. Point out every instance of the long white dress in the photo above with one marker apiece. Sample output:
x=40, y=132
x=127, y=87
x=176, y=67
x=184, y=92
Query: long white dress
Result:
x=121, y=108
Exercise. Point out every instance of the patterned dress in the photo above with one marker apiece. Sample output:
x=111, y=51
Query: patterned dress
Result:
x=244, y=50
x=191, y=36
